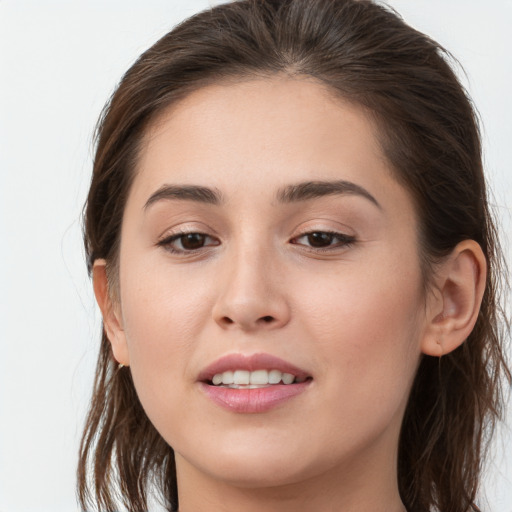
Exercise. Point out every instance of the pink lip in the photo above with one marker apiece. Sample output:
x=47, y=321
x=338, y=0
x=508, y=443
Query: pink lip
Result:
x=251, y=400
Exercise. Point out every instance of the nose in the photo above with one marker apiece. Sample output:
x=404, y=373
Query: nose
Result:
x=252, y=293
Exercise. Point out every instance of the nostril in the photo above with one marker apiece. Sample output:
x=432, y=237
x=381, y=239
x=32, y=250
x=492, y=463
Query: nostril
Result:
x=247, y=324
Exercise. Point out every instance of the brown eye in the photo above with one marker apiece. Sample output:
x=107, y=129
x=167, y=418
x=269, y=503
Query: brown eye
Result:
x=320, y=239
x=187, y=242
x=324, y=240
x=192, y=241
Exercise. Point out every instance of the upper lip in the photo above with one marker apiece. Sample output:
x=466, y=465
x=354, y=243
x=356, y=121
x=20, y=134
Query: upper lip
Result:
x=250, y=363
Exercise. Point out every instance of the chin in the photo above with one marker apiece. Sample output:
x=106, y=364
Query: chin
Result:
x=260, y=462
x=260, y=472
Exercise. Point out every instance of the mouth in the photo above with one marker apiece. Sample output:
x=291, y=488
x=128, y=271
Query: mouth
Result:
x=252, y=383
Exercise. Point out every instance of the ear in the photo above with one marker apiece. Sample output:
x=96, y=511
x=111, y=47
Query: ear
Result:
x=454, y=306
x=111, y=312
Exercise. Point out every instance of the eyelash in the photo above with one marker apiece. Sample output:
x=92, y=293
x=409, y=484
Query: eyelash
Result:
x=166, y=243
x=344, y=241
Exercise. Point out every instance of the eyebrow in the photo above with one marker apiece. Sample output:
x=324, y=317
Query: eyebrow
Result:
x=186, y=192
x=313, y=189
x=289, y=194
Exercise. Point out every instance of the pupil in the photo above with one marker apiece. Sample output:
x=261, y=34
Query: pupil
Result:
x=192, y=241
x=319, y=239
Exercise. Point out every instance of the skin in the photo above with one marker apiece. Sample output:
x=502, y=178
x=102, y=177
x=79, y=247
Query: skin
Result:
x=353, y=315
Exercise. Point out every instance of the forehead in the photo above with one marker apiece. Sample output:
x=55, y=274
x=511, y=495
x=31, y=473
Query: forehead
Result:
x=263, y=108
x=256, y=118
x=257, y=136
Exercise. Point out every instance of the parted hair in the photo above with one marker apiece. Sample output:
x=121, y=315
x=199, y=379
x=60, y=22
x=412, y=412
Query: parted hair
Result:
x=429, y=132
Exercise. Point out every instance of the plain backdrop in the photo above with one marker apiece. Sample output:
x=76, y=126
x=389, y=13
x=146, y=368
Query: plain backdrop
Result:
x=59, y=62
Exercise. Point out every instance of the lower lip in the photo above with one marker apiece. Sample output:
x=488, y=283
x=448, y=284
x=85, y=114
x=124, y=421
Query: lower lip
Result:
x=253, y=400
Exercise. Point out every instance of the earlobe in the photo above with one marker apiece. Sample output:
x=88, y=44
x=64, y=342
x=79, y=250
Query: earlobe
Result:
x=112, y=321
x=460, y=285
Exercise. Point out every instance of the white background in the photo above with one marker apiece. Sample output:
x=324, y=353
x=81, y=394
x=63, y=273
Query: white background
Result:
x=59, y=62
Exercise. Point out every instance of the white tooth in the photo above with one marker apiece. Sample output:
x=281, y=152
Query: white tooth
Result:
x=248, y=386
x=241, y=377
x=274, y=377
x=227, y=377
x=217, y=379
x=288, y=378
x=259, y=377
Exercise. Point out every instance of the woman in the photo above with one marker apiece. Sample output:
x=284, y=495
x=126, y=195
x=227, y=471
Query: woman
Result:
x=291, y=247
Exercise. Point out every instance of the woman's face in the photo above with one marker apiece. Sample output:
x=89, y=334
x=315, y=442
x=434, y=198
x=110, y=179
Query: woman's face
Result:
x=302, y=257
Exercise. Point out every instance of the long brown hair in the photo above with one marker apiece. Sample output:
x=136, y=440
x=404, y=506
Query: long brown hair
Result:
x=428, y=131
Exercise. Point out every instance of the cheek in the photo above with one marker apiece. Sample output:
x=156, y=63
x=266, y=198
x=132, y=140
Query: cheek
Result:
x=161, y=306
x=367, y=323
x=163, y=316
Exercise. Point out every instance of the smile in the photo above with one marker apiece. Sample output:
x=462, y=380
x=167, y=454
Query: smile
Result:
x=252, y=383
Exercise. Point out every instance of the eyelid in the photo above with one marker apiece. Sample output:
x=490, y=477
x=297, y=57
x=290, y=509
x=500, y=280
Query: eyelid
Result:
x=186, y=228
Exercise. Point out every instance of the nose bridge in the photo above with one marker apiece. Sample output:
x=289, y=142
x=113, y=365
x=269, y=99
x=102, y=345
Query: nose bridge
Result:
x=251, y=293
